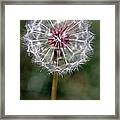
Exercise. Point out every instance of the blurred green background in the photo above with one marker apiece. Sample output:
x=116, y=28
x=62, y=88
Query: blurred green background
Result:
x=36, y=82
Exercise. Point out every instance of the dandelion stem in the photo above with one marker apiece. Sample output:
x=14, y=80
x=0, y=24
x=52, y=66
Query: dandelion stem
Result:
x=54, y=86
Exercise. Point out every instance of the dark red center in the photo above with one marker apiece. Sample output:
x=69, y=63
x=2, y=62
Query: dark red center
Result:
x=58, y=38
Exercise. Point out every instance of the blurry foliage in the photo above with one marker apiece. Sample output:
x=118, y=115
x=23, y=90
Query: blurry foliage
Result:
x=36, y=82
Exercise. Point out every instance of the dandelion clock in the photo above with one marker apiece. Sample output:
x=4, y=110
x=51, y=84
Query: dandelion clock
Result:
x=60, y=46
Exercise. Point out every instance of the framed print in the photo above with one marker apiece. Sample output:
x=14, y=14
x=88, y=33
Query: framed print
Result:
x=60, y=59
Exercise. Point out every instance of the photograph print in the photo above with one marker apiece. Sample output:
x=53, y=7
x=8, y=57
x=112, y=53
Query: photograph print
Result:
x=59, y=59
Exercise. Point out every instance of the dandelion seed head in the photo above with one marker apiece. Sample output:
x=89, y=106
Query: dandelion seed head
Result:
x=59, y=45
